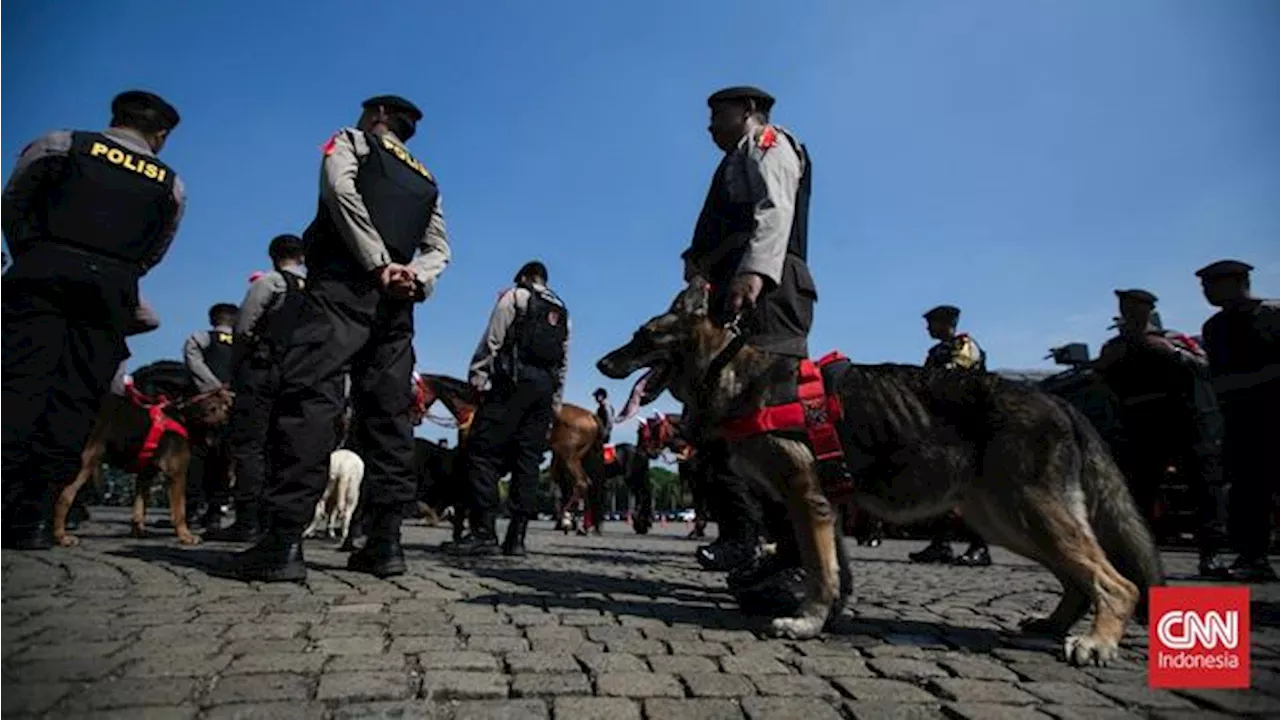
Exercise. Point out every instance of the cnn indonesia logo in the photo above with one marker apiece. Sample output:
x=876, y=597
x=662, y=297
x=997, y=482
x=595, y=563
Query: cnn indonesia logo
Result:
x=1199, y=637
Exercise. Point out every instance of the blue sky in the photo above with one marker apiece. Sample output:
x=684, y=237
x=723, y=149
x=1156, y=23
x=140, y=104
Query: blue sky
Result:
x=1018, y=159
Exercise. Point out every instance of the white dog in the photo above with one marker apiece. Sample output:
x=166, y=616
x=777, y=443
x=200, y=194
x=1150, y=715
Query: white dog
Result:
x=338, y=504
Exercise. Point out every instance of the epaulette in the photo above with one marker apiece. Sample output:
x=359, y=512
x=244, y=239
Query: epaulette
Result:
x=332, y=142
x=768, y=138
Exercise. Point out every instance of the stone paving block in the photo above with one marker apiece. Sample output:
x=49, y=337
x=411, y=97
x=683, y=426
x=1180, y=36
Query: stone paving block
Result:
x=72, y=651
x=1144, y=697
x=389, y=710
x=597, y=663
x=753, y=665
x=458, y=685
x=1245, y=702
x=683, y=664
x=264, y=630
x=906, y=668
x=729, y=636
x=981, y=692
x=554, y=632
x=662, y=632
x=564, y=646
x=266, y=711
x=275, y=663
x=342, y=630
x=168, y=666
x=133, y=692
x=258, y=647
x=612, y=633
x=33, y=698
x=350, y=645
x=636, y=647
x=489, y=630
x=879, y=711
x=588, y=620
x=971, y=668
x=550, y=684
x=368, y=685
x=833, y=665
x=697, y=647
x=774, y=649
x=1065, y=693
x=1190, y=715
x=499, y=645
x=261, y=687
x=500, y=710
x=1066, y=712
x=53, y=671
x=639, y=685
x=695, y=709
x=362, y=663
x=981, y=711
x=596, y=708
x=423, y=643
x=794, y=686
x=535, y=662
x=789, y=708
x=878, y=690
x=1056, y=672
x=137, y=713
x=458, y=661
x=894, y=652
x=717, y=685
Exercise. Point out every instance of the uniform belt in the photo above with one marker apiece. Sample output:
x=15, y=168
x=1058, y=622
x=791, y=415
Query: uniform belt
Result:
x=96, y=252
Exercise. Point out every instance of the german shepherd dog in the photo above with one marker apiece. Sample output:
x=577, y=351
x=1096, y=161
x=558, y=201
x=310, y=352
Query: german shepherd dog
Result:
x=1026, y=469
x=117, y=439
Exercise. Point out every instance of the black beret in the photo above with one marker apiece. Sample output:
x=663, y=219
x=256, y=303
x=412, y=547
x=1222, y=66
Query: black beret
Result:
x=1224, y=268
x=533, y=268
x=224, y=309
x=394, y=103
x=948, y=313
x=764, y=101
x=599, y=392
x=1138, y=295
x=285, y=245
x=150, y=101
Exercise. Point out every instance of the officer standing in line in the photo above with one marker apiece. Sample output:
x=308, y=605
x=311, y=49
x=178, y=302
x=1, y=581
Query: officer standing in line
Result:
x=1170, y=416
x=954, y=351
x=252, y=380
x=604, y=413
x=208, y=356
x=520, y=365
x=86, y=215
x=751, y=244
x=1243, y=344
x=375, y=248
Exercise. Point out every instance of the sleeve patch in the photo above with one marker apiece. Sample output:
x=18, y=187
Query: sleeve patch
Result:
x=768, y=138
x=328, y=147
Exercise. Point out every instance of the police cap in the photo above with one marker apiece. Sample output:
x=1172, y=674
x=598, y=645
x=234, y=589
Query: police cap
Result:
x=1137, y=295
x=945, y=313
x=1224, y=268
x=763, y=100
x=149, y=101
x=532, y=269
x=394, y=103
x=285, y=246
x=600, y=392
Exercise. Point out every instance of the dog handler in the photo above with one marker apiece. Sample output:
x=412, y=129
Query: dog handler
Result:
x=376, y=247
x=86, y=214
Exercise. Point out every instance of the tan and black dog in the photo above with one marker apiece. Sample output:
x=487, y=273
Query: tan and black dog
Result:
x=1025, y=468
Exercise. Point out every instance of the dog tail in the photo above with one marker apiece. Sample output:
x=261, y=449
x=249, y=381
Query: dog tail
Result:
x=1118, y=524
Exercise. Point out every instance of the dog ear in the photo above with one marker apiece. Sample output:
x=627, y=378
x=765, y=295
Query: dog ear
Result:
x=693, y=300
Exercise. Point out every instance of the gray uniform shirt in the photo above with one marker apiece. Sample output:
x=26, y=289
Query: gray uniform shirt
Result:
x=343, y=155
x=510, y=305
x=193, y=353
x=30, y=178
x=264, y=295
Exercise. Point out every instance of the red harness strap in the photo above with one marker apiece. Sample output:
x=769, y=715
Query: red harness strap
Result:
x=610, y=455
x=160, y=424
x=813, y=411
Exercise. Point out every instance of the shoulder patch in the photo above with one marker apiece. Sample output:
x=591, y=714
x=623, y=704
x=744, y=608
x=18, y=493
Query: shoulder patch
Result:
x=329, y=145
x=768, y=138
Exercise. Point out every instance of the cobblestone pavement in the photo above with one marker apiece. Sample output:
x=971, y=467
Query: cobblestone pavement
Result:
x=618, y=628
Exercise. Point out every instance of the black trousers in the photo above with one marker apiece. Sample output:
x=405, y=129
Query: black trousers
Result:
x=333, y=327
x=1249, y=457
x=736, y=506
x=209, y=475
x=254, y=385
x=63, y=340
x=509, y=434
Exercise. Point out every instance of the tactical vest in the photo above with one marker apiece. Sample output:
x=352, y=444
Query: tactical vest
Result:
x=110, y=200
x=218, y=355
x=400, y=195
x=540, y=331
x=723, y=216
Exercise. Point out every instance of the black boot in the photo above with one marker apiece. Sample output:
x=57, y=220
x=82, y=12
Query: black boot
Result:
x=277, y=557
x=482, y=540
x=382, y=556
x=246, y=529
x=976, y=556
x=936, y=552
x=723, y=555
x=1212, y=565
x=513, y=544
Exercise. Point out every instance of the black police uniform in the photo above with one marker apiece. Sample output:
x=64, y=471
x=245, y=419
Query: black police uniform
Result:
x=209, y=473
x=509, y=431
x=343, y=322
x=84, y=222
x=1239, y=341
x=253, y=380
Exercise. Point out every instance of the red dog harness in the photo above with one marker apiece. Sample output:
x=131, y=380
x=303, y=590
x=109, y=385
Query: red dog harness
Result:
x=610, y=455
x=160, y=424
x=814, y=412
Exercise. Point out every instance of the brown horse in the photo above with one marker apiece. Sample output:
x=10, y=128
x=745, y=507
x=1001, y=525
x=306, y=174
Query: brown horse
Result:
x=575, y=433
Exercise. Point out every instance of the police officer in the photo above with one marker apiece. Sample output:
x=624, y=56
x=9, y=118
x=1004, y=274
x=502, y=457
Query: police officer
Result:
x=604, y=413
x=375, y=247
x=1243, y=344
x=208, y=357
x=86, y=214
x=252, y=380
x=751, y=243
x=520, y=365
x=953, y=351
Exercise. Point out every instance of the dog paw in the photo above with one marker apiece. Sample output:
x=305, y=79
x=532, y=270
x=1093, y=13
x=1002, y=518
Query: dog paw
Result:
x=188, y=539
x=67, y=540
x=1040, y=626
x=797, y=628
x=1088, y=650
